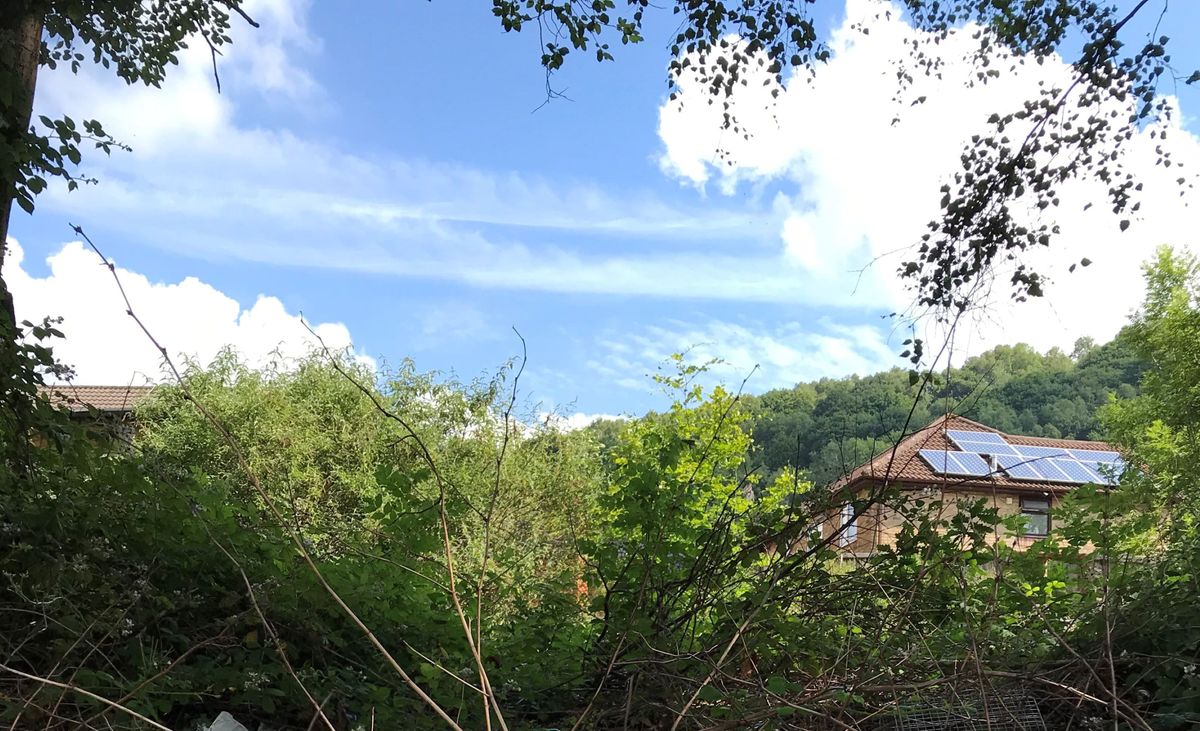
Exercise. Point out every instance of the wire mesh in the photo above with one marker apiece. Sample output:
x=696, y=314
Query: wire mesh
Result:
x=1000, y=710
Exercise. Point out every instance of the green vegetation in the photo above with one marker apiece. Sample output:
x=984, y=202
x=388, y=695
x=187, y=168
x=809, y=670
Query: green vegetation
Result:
x=228, y=595
x=235, y=555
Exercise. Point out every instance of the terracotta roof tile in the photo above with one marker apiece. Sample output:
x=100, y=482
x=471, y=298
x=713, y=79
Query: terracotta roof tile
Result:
x=111, y=399
x=903, y=464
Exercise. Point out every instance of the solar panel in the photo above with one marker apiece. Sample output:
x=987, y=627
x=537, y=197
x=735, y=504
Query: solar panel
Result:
x=1049, y=468
x=1075, y=471
x=1030, y=451
x=1107, y=473
x=937, y=459
x=987, y=448
x=1018, y=468
x=1023, y=462
x=955, y=463
x=970, y=464
x=1092, y=455
x=958, y=435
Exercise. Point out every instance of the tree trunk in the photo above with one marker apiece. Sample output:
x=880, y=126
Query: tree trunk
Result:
x=20, y=51
x=20, y=48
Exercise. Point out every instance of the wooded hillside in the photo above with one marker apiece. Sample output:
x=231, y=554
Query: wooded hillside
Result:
x=832, y=425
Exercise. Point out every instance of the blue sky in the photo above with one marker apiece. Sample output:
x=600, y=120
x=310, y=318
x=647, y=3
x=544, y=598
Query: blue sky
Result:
x=381, y=168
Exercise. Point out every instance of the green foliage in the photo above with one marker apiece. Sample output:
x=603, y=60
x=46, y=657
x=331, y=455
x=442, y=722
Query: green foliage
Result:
x=1140, y=611
x=160, y=555
x=677, y=484
x=629, y=582
x=310, y=436
x=1162, y=425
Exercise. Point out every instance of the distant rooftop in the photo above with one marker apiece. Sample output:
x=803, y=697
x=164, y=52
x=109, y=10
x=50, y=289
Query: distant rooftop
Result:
x=904, y=466
x=108, y=399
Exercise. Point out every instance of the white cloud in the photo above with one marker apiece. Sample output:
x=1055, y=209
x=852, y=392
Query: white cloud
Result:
x=574, y=421
x=267, y=64
x=771, y=356
x=187, y=116
x=190, y=318
x=864, y=187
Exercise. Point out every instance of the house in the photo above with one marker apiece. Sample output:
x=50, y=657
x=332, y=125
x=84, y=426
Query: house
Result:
x=955, y=459
x=110, y=406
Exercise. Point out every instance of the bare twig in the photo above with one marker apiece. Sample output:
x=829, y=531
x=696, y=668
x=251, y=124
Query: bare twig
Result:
x=443, y=518
x=88, y=693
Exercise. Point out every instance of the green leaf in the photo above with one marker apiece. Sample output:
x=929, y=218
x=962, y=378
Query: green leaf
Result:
x=710, y=694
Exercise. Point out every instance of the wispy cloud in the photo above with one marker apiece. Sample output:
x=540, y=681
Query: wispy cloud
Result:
x=770, y=356
x=202, y=182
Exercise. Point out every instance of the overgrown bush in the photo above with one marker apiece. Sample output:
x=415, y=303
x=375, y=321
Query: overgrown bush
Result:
x=319, y=546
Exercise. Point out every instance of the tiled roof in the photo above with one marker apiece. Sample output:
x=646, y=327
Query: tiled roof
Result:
x=110, y=399
x=902, y=465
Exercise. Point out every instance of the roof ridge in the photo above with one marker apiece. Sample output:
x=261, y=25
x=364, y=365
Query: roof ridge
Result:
x=67, y=385
x=101, y=397
x=951, y=416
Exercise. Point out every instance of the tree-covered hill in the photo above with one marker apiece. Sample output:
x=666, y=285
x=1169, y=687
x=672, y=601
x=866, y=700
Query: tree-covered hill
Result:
x=829, y=426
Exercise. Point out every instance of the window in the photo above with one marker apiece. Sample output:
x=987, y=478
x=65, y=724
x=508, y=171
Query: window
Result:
x=849, y=525
x=1037, y=516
